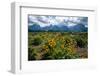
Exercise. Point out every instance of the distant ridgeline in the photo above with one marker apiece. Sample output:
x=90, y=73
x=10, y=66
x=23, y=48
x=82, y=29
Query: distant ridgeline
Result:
x=58, y=28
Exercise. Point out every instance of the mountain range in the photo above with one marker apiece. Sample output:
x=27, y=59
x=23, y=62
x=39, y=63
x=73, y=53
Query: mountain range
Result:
x=58, y=28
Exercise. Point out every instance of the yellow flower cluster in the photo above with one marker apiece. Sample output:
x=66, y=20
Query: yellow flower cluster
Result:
x=62, y=46
x=45, y=48
x=52, y=43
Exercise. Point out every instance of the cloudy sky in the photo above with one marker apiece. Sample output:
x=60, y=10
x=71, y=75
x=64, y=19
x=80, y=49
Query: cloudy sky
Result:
x=55, y=20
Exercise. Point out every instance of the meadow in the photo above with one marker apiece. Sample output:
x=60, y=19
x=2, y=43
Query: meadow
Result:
x=57, y=45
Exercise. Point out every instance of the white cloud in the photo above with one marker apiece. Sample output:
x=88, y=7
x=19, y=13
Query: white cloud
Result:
x=54, y=20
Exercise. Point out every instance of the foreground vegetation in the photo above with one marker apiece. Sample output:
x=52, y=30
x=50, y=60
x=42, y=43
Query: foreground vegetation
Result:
x=57, y=45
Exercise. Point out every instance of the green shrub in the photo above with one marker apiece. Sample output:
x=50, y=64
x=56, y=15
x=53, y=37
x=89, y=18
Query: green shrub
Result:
x=81, y=42
x=37, y=41
x=31, y=54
